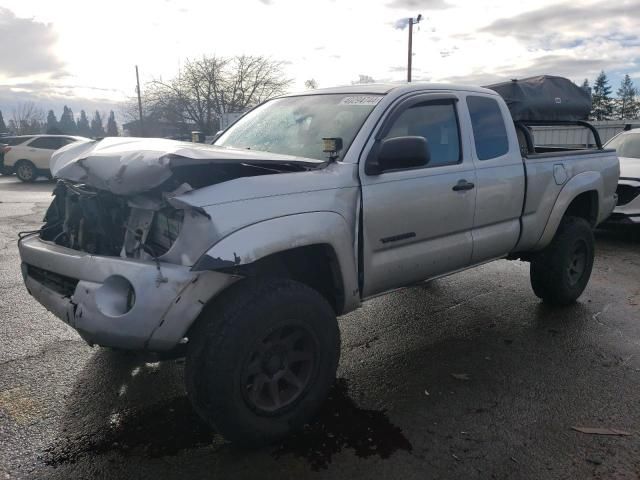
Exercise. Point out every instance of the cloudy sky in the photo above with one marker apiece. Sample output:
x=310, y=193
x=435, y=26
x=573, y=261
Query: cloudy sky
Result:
x=82, y=52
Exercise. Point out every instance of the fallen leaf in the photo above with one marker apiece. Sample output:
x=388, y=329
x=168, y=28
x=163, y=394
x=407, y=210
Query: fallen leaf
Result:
x=461, y=376
x=601, y=431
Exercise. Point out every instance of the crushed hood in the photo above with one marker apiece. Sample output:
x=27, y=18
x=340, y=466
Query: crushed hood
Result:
x=127, y=166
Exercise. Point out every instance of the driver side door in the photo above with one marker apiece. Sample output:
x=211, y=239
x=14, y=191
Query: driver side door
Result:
x=416, y=222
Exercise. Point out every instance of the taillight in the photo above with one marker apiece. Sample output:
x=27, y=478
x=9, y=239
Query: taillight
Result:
x=5, y=149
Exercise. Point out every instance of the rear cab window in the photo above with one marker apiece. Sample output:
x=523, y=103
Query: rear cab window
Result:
x=489, y=131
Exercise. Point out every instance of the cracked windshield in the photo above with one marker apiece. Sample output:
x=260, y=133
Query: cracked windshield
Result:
x=297, y=125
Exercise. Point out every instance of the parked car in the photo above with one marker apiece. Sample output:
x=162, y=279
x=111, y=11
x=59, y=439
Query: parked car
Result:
x=627, y=145
x=3, y=148
x=28, y=155
x=241, y=254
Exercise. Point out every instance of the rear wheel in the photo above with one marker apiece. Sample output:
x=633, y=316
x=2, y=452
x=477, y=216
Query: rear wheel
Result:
x=261, y=361
x=26, y=171
x=560, y=273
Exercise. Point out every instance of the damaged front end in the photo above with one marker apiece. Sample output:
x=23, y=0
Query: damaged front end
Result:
x=142, y=227
x=117, y=268
x=114, y=257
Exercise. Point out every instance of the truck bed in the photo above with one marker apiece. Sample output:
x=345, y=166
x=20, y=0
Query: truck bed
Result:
x=548, y=172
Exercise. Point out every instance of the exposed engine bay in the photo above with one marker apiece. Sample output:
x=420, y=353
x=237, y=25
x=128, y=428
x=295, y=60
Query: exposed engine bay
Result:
x=99, y=222
x=121, y=196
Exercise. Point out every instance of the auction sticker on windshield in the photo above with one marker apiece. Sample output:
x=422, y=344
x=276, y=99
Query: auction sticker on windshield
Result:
x=361, y=100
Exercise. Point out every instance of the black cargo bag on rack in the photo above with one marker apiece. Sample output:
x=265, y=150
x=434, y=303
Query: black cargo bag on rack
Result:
x=544, y=99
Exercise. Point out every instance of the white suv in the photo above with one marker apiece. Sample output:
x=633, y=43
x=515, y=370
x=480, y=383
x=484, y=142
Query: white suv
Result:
x=28, y=155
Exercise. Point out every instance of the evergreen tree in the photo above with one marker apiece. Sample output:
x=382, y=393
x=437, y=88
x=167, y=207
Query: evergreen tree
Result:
x=67, y=123
x=35, y=126
x=97, y=130
x=627, y=104
x=84, y=129
x=602, y=103
x=112, y=126
x=52, y=124
x=3, y=127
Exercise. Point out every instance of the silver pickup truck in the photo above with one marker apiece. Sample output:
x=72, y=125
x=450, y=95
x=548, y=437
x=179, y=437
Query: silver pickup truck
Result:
x=241, y=254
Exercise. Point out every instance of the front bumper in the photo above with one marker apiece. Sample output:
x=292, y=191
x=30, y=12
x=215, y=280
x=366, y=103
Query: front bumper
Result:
x=4, y=169
x=89, y=293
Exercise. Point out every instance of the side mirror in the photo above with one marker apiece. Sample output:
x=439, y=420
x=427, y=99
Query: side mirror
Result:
x=399, y=153
x=216, y=136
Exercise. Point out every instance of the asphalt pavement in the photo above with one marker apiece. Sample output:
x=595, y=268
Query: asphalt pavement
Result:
x=465, y=377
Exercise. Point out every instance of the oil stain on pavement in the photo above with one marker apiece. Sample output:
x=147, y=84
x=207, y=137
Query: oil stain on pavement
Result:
x=341, y=424
x=169, y=428
x=161, y=431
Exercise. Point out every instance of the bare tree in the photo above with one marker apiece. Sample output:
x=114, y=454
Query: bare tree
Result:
x=311, y=84
x=206, y=88
x=27, y=118
x=363, y=79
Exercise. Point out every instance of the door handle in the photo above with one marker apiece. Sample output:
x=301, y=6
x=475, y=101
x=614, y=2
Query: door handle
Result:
x=462, y=185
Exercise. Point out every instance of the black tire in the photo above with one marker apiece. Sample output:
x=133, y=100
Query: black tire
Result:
x=560, y=273
x=254, y=337
x=26, y=171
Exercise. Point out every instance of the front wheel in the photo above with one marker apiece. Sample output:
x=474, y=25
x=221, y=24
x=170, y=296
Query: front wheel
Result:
x=560, y=273
x=26, y=171
x=262, y=359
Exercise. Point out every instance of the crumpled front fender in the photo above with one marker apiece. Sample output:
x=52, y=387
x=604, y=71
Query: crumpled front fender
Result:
x=251, y=243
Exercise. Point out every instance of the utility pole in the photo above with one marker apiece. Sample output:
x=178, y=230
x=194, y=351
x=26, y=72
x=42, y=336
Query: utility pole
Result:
x=412, y=22
x=139, y=102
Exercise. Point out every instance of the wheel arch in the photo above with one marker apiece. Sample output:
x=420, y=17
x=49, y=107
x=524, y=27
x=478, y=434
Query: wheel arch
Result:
x=580, y=197
x=24, y=160
x=315, y=248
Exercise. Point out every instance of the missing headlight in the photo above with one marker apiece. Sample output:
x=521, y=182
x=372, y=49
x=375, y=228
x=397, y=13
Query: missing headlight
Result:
x=164, y=231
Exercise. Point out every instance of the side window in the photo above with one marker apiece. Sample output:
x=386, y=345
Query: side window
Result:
x=15, y=140
x=438, y=123
x=489, y=132
x=44, y=142
x=48, y=143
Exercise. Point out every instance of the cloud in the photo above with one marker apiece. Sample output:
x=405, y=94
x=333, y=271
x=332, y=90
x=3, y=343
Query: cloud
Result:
x=27, y=46
x=575, y=68
x=424, y=4
x=11, y=98
x=401, y=24
x=561, y=26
